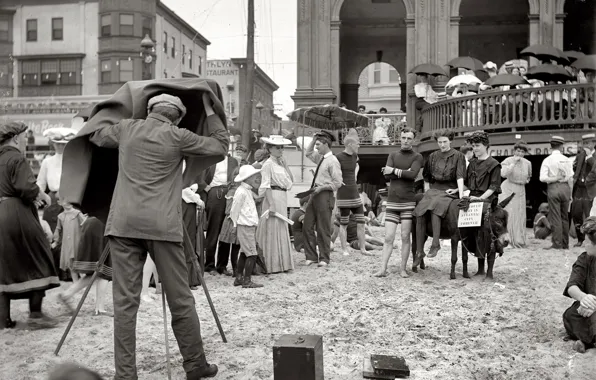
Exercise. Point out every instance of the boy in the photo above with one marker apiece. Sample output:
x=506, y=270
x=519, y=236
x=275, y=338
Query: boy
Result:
x=298, y=217
x=542, y=227
x=245, y=218
x=372, y=242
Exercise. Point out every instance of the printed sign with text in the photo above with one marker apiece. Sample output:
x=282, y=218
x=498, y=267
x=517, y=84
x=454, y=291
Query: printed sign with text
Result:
x=472, y=217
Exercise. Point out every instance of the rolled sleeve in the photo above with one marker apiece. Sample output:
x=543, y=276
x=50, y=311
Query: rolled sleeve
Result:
x=313, y=156
x=336, y=174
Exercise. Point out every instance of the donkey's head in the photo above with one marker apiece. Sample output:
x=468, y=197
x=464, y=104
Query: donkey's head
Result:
x=498, y=224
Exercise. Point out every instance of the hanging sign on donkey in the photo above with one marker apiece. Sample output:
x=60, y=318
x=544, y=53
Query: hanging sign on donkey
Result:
x=472, y=217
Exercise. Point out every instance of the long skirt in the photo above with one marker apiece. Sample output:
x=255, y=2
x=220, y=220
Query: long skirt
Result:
x=26, y=262
x=434, y=200
x=91, y=248
x=273, y=236
x=578, y=327
x=516, y=224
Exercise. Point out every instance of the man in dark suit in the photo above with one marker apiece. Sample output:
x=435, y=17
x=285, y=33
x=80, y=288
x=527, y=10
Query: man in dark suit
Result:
x=213, y=188
x=146, y=216
x=582, y=199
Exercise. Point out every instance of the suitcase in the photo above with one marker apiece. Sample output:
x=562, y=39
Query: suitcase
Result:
x=369, y=373
x=390, y=365
x=298, y=357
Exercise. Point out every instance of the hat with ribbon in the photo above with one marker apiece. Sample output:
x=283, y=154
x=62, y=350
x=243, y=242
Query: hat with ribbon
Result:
x=167, y=100
x=557, y=139
x=276, y=140
x=589, y=136
x=246, y=171
x=60, y=135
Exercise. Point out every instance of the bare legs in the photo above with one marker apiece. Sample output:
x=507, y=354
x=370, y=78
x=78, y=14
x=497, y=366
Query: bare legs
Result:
x=390, y=229
x=406, y=230
x=101, y=286
x=362, y=239
x=148, y=270
x=343, y=237
x=387, y=248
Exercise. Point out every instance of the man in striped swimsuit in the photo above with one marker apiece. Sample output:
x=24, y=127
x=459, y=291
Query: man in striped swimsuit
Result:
x=402, y=169
x=348, y=198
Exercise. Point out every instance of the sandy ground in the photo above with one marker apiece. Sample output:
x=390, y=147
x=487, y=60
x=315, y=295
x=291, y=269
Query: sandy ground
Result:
x=509, y=328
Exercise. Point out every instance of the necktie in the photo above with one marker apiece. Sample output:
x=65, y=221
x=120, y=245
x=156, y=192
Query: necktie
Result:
x=317, y=172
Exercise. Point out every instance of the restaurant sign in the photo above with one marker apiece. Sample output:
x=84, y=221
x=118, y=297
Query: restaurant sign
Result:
x=541, y=149
x=40, y=123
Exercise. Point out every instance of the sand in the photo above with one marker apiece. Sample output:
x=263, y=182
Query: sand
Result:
x=509, y=328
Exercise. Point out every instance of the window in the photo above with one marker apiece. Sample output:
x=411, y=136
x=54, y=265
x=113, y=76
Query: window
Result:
x=57, y=29
x=30, y=70
x=183, y=53
x=147, y=27
x=173, y=47
x=200, y=65
x=165, y=43
x=106, y=71
x=377, y=73
x=32, y=30
x=126, y=25
x=106, y=25
x=126, y=70
x=393, y=75
x=68, y=72
x=190, y=59
x=4, y=27
x=49, y=72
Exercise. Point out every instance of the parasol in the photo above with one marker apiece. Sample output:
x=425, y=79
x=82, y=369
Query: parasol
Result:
x=585, y=63
x=469, y=63
x=546, y=53
x=428, y=69
x=463, y=79
x=548, y=72
x=506, y=80
x=574, y=55
x=330, y=117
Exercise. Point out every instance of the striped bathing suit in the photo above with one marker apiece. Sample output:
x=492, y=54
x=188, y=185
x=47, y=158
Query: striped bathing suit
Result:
x=401, y=200
x=348, y=198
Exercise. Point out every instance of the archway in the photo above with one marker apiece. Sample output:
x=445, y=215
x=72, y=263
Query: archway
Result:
x=579, y=30
x=380, y=87
x=493, y=30
x=370, y=32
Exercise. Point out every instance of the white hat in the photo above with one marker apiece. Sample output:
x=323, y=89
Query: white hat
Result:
x=490, y=65
x=246, y=171
x=589, y=136
x=276, y=140
x=60, y=135
x=167, y=101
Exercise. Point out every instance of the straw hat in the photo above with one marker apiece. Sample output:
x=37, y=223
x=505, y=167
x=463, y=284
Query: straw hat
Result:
x=60, y=135
x=246, y=171
x=276, y=140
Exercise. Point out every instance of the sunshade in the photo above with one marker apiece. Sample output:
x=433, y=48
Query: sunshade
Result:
x=330, y=117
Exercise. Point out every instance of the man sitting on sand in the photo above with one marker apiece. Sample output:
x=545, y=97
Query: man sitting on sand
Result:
x=372, y=242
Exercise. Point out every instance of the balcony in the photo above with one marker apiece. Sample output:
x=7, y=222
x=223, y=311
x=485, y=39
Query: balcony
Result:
x=51, y=90
x=533, y=114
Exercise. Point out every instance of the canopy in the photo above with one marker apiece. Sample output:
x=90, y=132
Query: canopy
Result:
x=330, y=117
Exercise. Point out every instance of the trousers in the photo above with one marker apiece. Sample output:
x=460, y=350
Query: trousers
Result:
x=216, y=213
x=318, y=218
x=559, y=195
x=580, y=209
x=128, y=257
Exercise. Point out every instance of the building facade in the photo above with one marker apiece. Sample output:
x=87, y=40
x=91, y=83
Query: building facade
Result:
x=337, y=39
x=379, y=86
x=230, y=74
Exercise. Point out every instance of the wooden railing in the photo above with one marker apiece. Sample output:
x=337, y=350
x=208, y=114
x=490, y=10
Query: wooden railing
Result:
x=548, y=107
x=382, y=129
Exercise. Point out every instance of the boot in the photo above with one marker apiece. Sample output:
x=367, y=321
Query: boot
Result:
x=239, y=280
x=250, y=265
x=208, y=370
x=5, y=321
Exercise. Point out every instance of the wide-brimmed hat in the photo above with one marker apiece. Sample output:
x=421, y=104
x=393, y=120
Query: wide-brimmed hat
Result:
x=167, y=100
x=276, y=140
x=246, y=171
x=60, y=135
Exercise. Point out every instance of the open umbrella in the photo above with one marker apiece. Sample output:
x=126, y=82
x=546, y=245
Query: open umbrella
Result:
x=505, y=80
x=546, y=53
x=469, y=63
x=428, y=69
x=585, y=63
x=548, y=72
x=329, y=116
x=574, y=55
x=463, y=79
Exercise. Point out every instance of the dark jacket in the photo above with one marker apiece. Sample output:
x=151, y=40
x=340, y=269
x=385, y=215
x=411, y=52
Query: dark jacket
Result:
x=205, y=178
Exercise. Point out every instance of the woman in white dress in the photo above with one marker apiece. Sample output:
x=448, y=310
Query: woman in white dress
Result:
x=273, y=235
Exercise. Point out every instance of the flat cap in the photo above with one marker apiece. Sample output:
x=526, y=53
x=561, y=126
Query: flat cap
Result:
x=589, y=136
x=11, y=129
x=326, y=134
x=557, y=139
x=167, y=100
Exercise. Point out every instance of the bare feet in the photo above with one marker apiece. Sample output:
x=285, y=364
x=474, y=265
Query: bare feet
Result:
x=347, y=253
x=381, y=273
x=434, y=249
x=403, y=274
x=579, y=346
x=367, y=253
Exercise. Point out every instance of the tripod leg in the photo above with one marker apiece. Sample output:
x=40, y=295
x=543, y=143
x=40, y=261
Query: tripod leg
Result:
x=101, y=261
x=165, y=330
x=204, y=286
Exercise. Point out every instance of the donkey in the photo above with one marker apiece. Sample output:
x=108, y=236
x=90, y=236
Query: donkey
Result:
x=490, y=238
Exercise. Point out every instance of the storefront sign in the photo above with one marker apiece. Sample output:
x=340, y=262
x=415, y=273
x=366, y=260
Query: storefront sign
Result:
x=219, y=68
x=542, y=149
x=40, y=123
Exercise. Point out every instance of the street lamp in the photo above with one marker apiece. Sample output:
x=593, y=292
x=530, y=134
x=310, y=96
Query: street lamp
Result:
x=147, y=53
x=260, y=107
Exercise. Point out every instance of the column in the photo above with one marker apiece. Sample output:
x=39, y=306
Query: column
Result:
x=547, y=22
x=304, y=44
x=441, y=32
x=558, y=31
x=411, y=61
x=335, y=44
x=323, y=52
x=349, y=95
x=454, y=37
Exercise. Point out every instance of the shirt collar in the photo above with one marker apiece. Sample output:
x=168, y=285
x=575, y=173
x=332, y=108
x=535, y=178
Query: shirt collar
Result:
x=246, y=186
x=328, y=154
x=556, y=151
x=154, y=115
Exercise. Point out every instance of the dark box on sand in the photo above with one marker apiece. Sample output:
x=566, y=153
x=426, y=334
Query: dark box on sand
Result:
x=369, y=373
x=390, y=365
x=298, y=357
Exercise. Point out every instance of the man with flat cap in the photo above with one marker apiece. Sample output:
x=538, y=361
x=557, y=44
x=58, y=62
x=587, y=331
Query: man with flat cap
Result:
x=146, y=216
x=557, y=172
x=319, y=210
x=582, y=199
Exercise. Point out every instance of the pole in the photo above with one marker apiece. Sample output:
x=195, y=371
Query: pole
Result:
x=165, y=330
x=250, y=76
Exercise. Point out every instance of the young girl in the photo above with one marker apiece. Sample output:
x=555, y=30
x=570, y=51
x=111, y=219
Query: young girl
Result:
x=67, y=235
x=228, y=233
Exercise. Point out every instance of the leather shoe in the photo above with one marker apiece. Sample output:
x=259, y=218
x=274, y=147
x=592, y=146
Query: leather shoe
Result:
x=209, y=370
x=579, y=244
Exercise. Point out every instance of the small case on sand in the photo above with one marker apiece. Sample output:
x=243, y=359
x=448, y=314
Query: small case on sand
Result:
x=390, y=365
x=369, y=373
x=298, y=357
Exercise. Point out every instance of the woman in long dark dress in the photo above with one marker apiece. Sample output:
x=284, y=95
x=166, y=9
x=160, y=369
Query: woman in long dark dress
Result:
x=580, y=318
x=444, y=171
x=27, y=267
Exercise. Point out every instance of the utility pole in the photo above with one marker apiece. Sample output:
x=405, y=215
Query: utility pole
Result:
x=249, y=76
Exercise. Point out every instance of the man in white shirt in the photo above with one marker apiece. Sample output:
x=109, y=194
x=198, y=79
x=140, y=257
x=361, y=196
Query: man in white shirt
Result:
x=426, y=96
x=557, y=172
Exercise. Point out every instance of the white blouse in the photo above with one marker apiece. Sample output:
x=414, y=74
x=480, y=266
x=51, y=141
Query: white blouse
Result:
x=274, y=174
x=50, y=173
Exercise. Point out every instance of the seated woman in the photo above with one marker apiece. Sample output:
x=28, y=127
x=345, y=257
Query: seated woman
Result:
x=444, y=171
x=580, y=319
x=542, y=228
